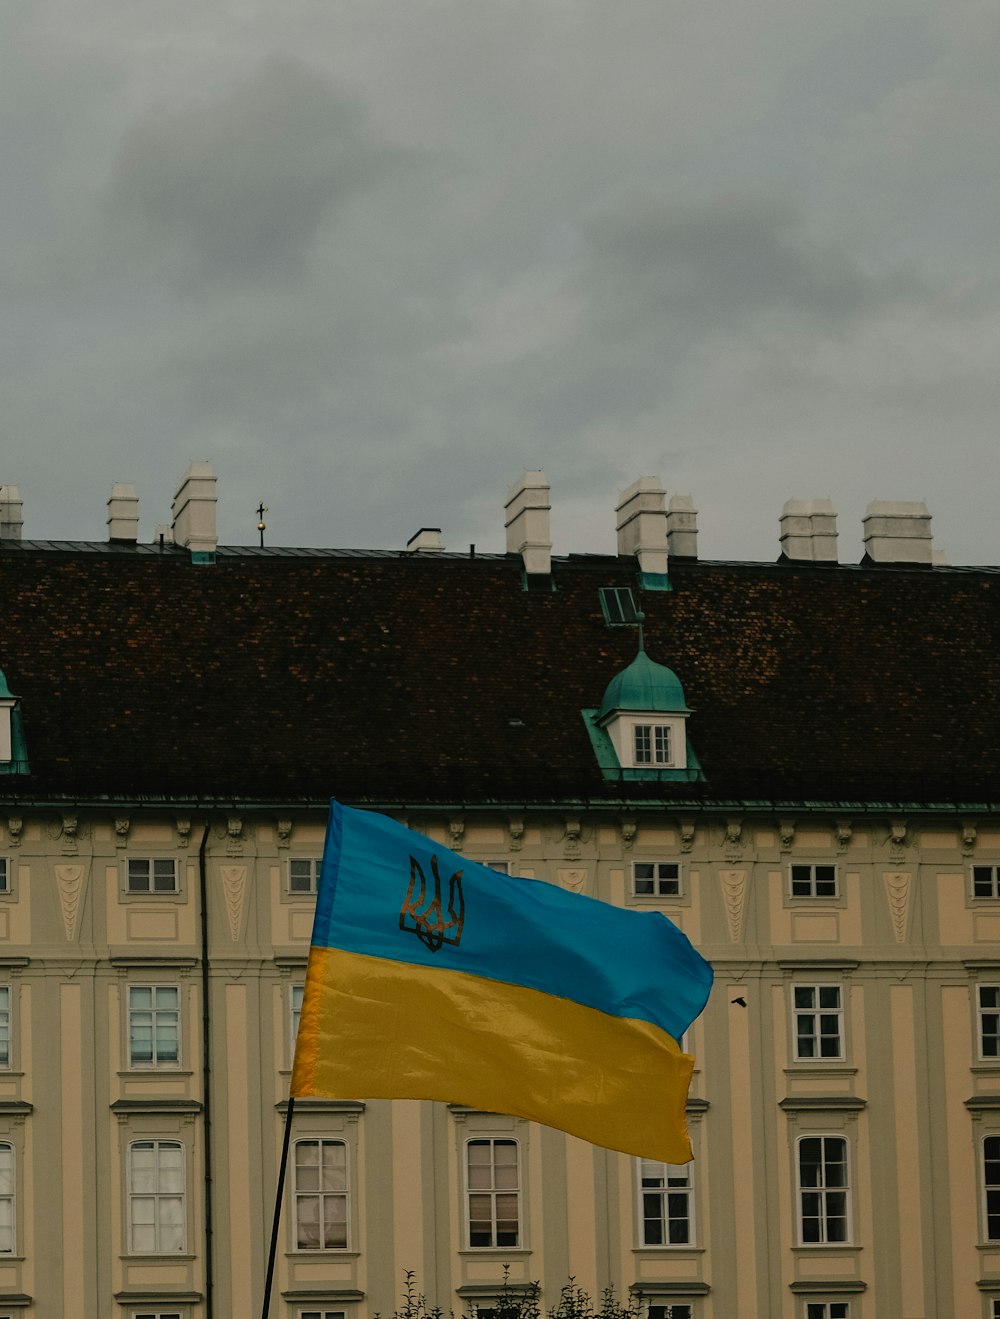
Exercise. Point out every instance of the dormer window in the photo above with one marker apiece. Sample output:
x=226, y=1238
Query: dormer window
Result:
x=640, y=730
x=13, y=758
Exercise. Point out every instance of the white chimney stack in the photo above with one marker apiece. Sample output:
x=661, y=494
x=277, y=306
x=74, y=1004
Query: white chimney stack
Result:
x=809, y=531
x=11, y=513
x=682, y=528
x=642, y=524
x=426, y=541
x=193, y=512
x=527, y=521
x=123, y=513
x=898, y=531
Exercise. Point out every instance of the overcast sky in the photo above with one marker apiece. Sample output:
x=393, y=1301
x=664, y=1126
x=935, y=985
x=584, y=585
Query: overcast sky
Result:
x=374, y=258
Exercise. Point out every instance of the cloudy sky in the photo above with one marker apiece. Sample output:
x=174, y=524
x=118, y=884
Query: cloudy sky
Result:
x=374, y=258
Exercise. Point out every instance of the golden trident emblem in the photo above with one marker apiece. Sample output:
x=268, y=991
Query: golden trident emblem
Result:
x=424, y=916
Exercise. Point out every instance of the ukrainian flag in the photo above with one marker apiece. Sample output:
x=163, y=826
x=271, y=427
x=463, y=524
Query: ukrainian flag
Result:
x=433, y=977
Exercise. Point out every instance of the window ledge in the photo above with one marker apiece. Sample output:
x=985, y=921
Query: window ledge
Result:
x=331, y=1252
x=986, y=1067
x=175, y=961
x=817, y=963
x=983, y=1103
x=829, y=1068
x=10, y=1107
x=834, y=1247
x=127, y=1107
x=824, y=1104
x=182, y=1257
x=322, y=1106
x=495, y=1252
x=670, y=1287
x=153, y=1073
x=834, y=1286
x=13, y=963
x=331, y=1294
x=668, y=1252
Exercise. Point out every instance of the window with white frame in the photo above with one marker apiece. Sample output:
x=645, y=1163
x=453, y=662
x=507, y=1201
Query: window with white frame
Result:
x=823, y=1191
x=7, y=1188
x=295, y=1013
x=4, y=875
x=153, y=1026
x=656, y=879
x=502, y=867
x=988, y=1003
x=493, y=1192
x=986, y=881
x=828, y=1310
x=322, y=1314
x=320, y=1195
x=669, y=1310
x=666, y=1203
x=157, y=1314
x=149, y=874
x=991, y=1188
x=819, y=1022
x=156, y=1197
x=302, y=874
x=651, y=744
x=814, y=881
x=995, y=1308
x=4, y=1025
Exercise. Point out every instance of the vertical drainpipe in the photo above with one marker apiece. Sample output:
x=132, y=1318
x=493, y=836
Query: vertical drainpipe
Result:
x=206, y=1073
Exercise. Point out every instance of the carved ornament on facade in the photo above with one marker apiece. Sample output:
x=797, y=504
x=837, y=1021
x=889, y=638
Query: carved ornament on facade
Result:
x=574, y=880
x=897, y=840
x=122, y=825
x=183, y=825
x=456, y=833
x=15, y=827
x=734, y=839
x=734, y=896
x=629, y=827
x=234, y=884
x=686, y=830
x=968, y=838
x=574, y=828
x=843, y=831
x=284, y=832
x=898, y=887
x=786, y=834
x=68, y=835
x=234, y=833
x=515, y=830
x=70, y=886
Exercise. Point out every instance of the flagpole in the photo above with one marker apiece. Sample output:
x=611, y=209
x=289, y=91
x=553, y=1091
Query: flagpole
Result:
x=277, y=1208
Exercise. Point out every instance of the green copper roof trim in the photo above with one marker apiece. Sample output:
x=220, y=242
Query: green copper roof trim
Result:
x=18, y=763
x=644, y=685
x=654, y=581
x=607, y=760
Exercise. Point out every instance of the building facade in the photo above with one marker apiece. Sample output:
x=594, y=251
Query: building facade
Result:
x=795, y=761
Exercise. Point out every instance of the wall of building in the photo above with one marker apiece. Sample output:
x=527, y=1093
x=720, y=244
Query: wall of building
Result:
x=902, y=937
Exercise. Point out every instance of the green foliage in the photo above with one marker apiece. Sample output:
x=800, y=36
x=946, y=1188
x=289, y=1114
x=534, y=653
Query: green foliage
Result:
x=516, y=1301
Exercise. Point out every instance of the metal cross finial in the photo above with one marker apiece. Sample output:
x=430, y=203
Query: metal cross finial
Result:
x=261, y=524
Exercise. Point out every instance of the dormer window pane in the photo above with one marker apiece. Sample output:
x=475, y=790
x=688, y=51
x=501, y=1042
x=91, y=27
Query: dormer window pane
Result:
x=643, y=744
x=652, y=744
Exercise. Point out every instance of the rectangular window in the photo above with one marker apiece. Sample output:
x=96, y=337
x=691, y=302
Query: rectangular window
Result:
x=156, y=1197
x=665, y=1193
x=6, y=1199
x=818, y=1022
x=152, y=874
x=4, y=1025
x=986, y=881
x=824, y=1189
x=651, y=743
x=989, y=1021
x=4, y=875
x=814, y=881
x=828, y=1310
x=502, y=867
x=991, y=1187
x=156, y=1314
x=617, y=605
x=322, y=1314
x=995, y=1309
x=493, y=1193
x=153, y=1025
x=320, y=1195
x=669, y=1310
x=659, y=879
x=302, y=873
x=295, y=1007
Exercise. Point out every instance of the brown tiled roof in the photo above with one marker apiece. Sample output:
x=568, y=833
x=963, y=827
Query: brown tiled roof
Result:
x=284, y=676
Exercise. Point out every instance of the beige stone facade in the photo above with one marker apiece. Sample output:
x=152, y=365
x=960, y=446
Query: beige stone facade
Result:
x=852, y=1043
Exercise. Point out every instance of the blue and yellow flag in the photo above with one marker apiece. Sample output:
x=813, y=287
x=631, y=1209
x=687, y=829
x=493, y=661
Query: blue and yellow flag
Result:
x=433, y=977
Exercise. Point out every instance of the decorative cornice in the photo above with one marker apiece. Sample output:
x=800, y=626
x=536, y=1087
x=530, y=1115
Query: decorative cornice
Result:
x=983, y=1103
x=823, y=1104
x=346, y=1106
x=323, y=1294
x=130, y=1107
x=671, y=1287
x=836, y=1286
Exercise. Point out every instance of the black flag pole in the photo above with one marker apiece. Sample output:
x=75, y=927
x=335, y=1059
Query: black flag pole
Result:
x=277, y=1208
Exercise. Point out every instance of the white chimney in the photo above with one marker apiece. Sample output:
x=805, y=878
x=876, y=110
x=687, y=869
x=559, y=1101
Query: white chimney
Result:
x=642, y=524
x=527, y=521
x=123, y=513
x=11, y=513
x=682, y=528
x=897, y=531
x=193, y=511
x=809, y=531
x=426, y=541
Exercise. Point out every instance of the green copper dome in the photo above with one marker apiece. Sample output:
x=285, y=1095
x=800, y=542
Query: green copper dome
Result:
x=644, y=685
